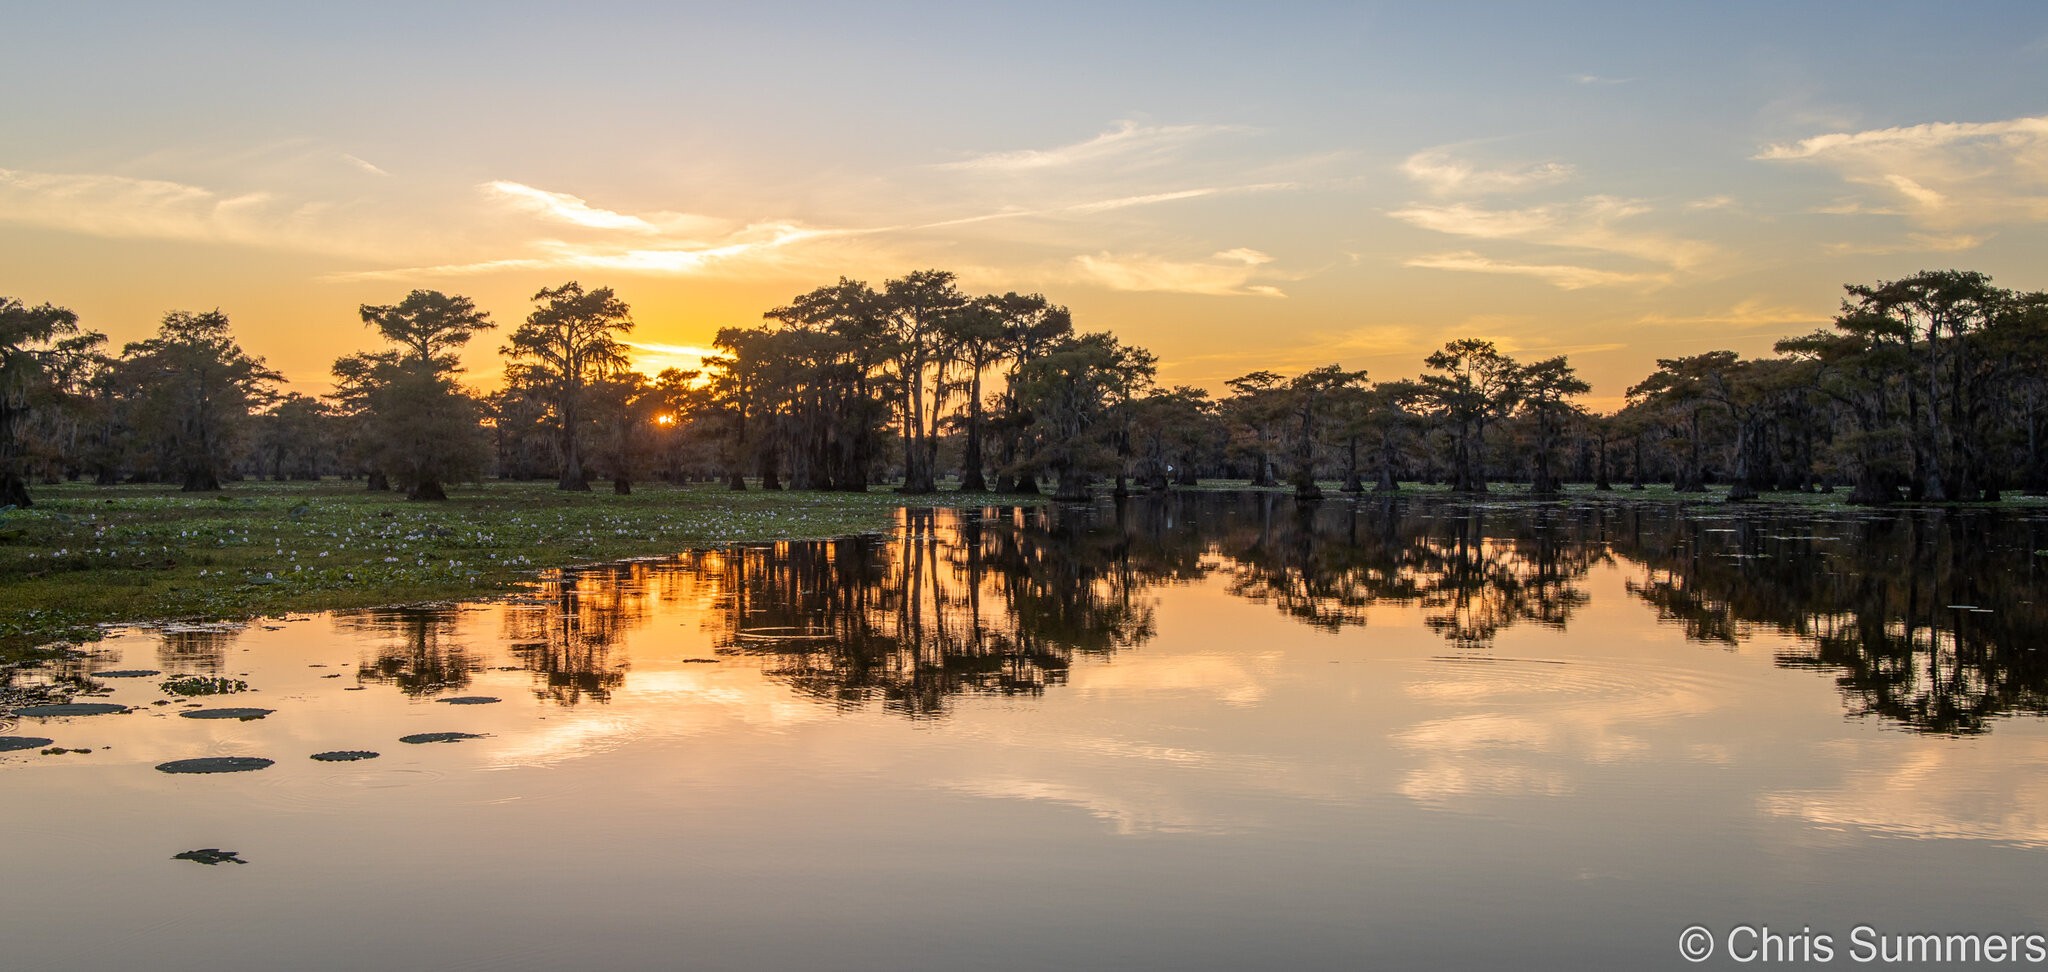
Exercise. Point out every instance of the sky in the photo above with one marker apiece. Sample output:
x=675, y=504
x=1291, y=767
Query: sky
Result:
x=1235, y=188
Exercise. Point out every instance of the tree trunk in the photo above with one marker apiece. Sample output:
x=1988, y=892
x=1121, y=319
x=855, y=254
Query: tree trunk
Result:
x=621, y=486
x=13, y=491
x=970, y=473
x=426, y=489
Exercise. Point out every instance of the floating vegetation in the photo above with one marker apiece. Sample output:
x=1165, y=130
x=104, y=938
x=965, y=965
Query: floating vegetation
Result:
x=9, y=744
x=244, y=714
x=210, y=856
x=189, y=685
x=438, y=737
x=470, y=700
x=215, y=764
x=345, y=755
x=59, y=751
x=57, y=710
x=128, y=673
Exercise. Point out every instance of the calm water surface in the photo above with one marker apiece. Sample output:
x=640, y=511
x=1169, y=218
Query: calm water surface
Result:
x=1208, y=732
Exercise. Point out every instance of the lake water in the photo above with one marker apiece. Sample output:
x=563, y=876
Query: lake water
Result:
x=1208, y=732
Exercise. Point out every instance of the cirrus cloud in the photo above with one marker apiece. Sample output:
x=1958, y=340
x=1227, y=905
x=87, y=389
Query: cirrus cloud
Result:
x=1229, y=273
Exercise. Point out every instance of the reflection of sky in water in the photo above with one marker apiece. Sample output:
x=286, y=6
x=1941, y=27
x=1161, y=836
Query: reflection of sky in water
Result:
x=1244, y=739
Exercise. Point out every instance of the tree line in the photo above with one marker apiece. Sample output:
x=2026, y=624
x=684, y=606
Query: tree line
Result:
x=1931, y=387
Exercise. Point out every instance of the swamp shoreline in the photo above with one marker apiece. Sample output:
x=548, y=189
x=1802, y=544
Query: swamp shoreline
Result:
x=86, y=556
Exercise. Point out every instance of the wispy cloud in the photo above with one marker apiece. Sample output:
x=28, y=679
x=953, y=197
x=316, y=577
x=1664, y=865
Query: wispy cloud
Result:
x=1099, y=205
x=365, y=165
x=567, y=208
x=1941, y=174
x=1230, y=273
x=651, y=358
x=1127, y=142
x=1746, y=315
x=1914, y=243
x=1598, y=79
x=1594, y=224
x=1562, y=275
x=753, y=245
x=1443, y=174
x=121, y=207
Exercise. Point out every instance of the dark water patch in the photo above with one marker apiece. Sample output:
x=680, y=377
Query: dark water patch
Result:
x=58, y=710
x=215, y=764
x=9, y=744
x=210, y=856
x=242, y=713
x=128, y=673
x=470, y=700
x=439, y=737
x=345, y=755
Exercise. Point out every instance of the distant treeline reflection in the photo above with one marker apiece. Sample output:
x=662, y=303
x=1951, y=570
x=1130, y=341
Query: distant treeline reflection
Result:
x=1928, y=619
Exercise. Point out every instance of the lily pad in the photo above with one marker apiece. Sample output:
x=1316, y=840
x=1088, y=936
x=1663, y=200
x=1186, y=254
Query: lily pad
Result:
x=470, y=700
x=345, y=755
x=243, y=714
x=59, y=709
x=189, y=685
x=215, y=764
x=128, y=673
x=9, y=744
x=210, y=856
x=438, y=737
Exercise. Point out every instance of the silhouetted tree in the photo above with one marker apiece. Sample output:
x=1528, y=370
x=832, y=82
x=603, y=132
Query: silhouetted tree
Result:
x=569, y=341
x=197, y=389
x=32, y=341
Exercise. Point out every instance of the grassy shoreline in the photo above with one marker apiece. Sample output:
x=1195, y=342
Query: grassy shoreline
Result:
x=89, y=555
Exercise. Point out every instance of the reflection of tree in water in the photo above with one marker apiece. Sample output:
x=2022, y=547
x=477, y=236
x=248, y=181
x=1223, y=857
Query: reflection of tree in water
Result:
x=993, y=602
x=200, y=649
x=1000, y=601
x=419, y=653
x=1329, y=564
x=565, y=633
x=1883, y=601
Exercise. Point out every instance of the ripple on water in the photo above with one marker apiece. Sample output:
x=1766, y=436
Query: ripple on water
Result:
x=380, y=779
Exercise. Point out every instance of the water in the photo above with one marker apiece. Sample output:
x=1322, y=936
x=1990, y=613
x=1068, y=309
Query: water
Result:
x=1208, y=732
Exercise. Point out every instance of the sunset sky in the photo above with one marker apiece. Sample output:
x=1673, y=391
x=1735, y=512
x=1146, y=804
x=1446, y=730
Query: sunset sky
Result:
x=1234, y=187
